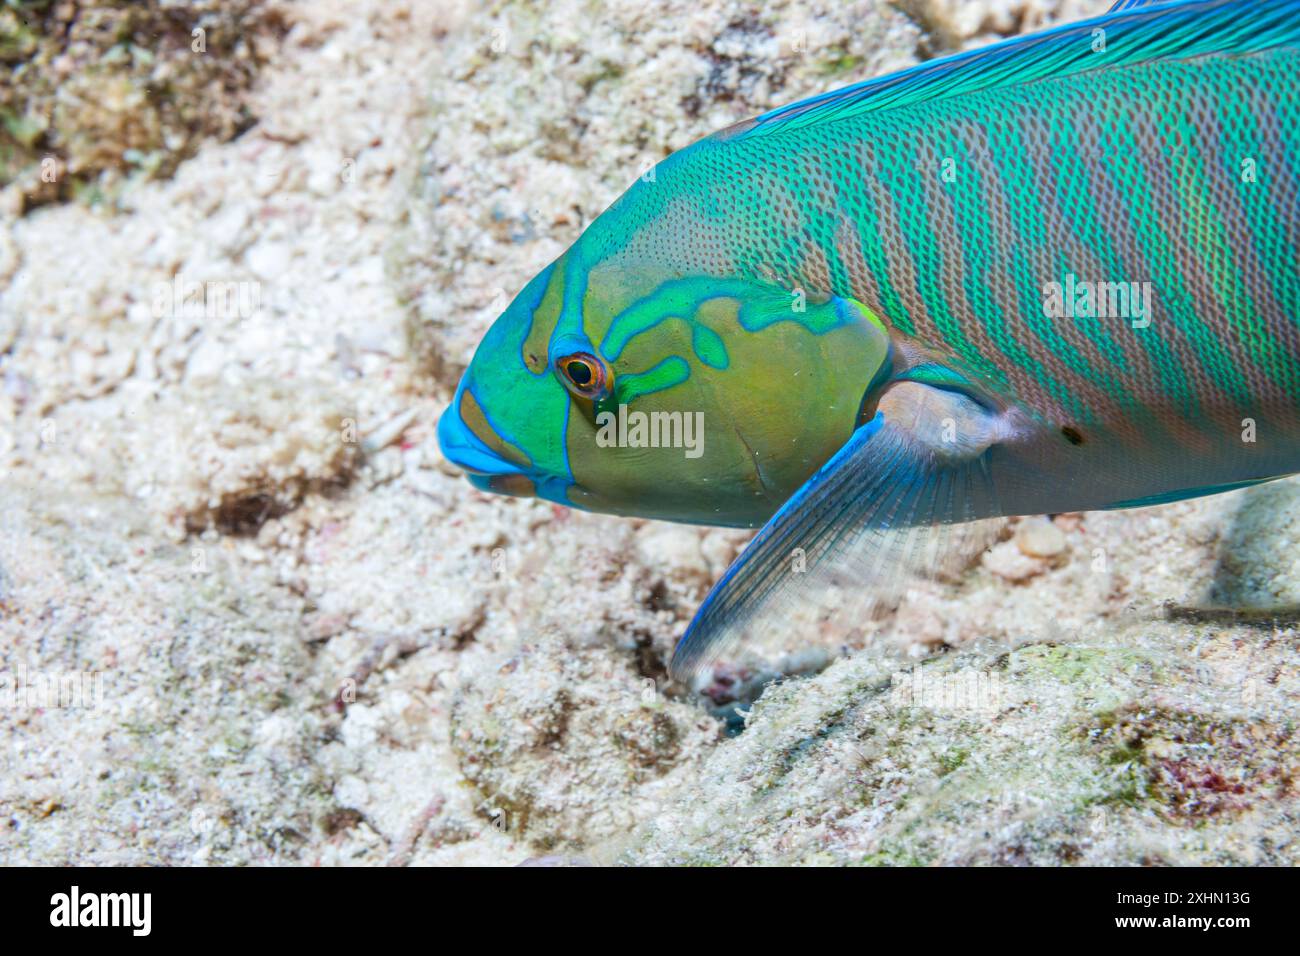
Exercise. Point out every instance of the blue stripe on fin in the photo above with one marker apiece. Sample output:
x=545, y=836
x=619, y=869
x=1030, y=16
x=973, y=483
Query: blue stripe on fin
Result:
x=1130, y=4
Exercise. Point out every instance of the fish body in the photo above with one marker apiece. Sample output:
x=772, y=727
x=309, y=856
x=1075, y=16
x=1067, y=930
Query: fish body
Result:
x=1061, y=273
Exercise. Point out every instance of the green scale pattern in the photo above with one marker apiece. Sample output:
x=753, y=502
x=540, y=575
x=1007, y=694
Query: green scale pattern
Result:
x=948, y=218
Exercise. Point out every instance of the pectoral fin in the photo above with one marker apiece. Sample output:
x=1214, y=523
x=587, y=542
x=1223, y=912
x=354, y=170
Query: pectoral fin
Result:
x=904, y=496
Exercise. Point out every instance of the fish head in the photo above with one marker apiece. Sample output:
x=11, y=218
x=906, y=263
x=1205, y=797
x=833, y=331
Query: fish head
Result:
x=686, y=398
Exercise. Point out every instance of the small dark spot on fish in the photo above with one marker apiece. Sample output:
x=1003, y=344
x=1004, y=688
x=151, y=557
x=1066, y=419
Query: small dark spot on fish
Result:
x=1072, y=435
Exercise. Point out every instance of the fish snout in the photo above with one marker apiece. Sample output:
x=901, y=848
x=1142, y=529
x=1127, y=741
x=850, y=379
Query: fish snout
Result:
x=486, y=470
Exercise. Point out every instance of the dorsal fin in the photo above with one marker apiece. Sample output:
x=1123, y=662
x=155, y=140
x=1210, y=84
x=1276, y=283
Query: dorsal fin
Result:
x=1130, y=4
x=1136, y=31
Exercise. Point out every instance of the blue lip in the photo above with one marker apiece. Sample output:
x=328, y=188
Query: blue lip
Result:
x=482, y=465
x=466, y=450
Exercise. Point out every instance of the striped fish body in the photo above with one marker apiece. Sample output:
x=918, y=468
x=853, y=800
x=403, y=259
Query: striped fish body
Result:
x=1115, y=247
x=1061, y=273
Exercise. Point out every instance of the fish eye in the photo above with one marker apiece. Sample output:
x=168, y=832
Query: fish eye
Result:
x=584, y=374
x=579, y=373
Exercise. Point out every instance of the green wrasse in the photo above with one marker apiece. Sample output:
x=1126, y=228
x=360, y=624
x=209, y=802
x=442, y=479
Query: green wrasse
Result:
x=1056, y=274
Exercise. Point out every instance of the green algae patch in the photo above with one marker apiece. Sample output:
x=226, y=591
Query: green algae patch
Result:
x=1193, y=766
x=104, y=90
x=1081, y=667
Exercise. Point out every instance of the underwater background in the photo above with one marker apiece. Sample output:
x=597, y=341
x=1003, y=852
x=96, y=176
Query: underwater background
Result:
x=248, y=614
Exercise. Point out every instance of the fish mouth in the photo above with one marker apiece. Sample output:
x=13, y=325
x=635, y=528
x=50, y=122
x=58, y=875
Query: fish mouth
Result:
x=468, y=450
x=516, y=485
